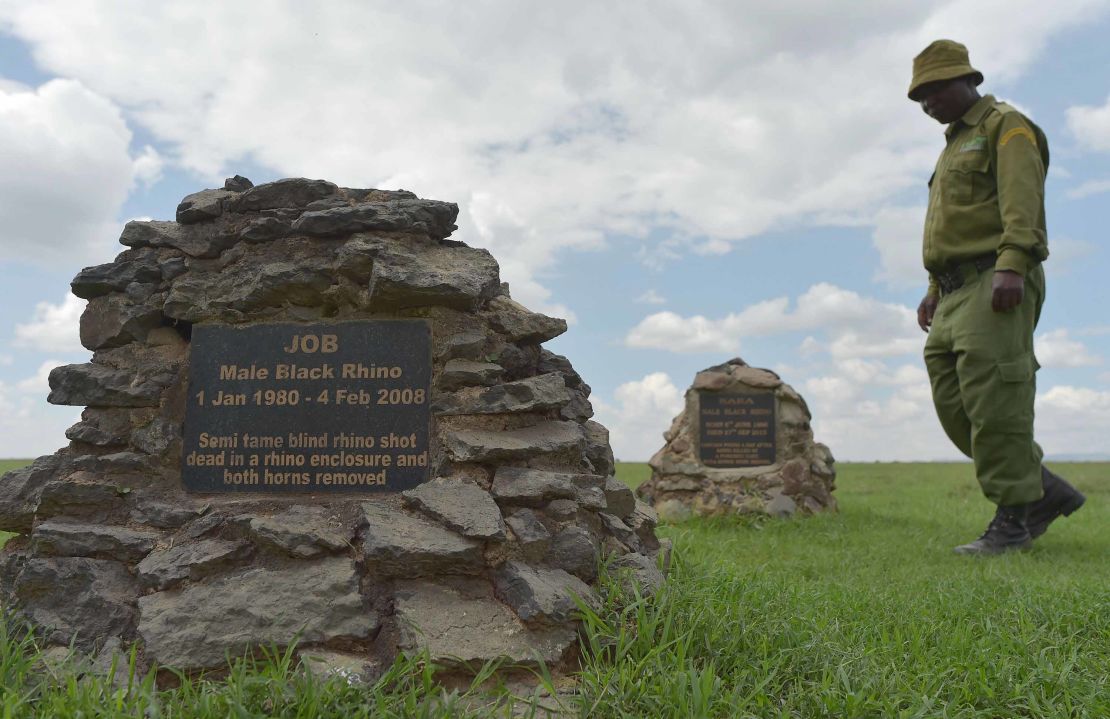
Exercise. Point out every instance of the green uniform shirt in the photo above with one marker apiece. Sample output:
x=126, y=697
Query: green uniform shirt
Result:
x=987, y=192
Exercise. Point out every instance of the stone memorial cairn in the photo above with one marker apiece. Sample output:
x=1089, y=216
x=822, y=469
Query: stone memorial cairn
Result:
x=479, y=558
x=742, y=445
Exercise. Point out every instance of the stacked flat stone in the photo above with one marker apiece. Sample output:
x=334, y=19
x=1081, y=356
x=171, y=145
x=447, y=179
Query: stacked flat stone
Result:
x=800, y=480
x=481, y=563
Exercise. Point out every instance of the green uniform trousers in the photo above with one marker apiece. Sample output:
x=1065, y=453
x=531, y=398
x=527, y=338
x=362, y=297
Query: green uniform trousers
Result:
x=983, y=374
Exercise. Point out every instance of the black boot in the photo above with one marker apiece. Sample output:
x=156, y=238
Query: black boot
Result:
x=1006, y=532
x=1060, y=498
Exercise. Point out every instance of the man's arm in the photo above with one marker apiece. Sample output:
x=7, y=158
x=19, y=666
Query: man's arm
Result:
x=1020, y=174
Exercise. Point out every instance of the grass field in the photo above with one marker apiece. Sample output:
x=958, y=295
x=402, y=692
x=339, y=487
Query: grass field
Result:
x=862, y=613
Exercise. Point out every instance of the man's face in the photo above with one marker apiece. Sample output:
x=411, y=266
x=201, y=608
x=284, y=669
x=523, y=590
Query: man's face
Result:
x=946, y=100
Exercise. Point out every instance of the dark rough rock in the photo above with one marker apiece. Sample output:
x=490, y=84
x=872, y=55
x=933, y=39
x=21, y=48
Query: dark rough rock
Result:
x=464, y=345
x=198, y=626
x=115, y=276
x=578, y=408
x=531, y=487
x=172, y=267
x=575, y=550
x=530, y=533
x=194, y=240
x=327, y=203
x=619, y=499
x=562, y=510
x=643, y=522
x=288, y=192
x=592, y=498
x=20, y=490
x=598, y=449
x=636, y=570
x=256, y=281
x=102, y=427
x=238, y=183
x=521, y=325
x=465, y=625
x=115, y=320
x=477, y=445
x=245, y=287
x=535, y=394
x=433, y=218
x=303, y=531
x=265, y=229
x=617, y=528
x=96, y=385
x=156, y=436
x=408, y=545
x=359, y=194
x=551, y=362
x=203, y=205
x=121, y=462
x=66, y=538
x=460, y=278
x=541, y=594
x=81, y=494
x=165, y=515
x=464, y=507
x=458, y=373
x=170, y=567
x=75, y=599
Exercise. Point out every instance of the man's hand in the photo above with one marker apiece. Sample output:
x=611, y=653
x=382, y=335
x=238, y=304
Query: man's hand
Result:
x=1007, y=290
x=925, y=312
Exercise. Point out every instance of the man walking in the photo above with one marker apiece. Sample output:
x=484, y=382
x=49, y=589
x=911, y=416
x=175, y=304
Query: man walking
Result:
x=984, y=243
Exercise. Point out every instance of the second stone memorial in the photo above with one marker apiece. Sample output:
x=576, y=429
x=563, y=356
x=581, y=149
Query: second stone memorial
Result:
x=743, y=444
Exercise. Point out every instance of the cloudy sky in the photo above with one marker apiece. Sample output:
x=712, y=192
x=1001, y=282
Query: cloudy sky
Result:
x=684, y=181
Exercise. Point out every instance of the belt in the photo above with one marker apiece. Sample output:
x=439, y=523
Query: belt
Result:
x=953, y=279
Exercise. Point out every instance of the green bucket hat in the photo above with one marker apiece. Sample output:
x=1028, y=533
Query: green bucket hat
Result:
x=942, y=60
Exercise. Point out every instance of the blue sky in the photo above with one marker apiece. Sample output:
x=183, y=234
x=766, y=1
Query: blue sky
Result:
x=685, y=182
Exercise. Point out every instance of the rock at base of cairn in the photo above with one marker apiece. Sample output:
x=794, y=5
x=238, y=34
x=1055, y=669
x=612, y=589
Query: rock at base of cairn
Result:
x=742, y=445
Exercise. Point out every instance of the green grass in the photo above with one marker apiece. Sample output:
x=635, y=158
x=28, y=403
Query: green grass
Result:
x=7, y=465
x=862, y=613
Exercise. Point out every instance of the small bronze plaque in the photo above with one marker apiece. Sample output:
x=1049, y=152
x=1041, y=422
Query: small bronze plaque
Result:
x=323, y=407
x=736, y=430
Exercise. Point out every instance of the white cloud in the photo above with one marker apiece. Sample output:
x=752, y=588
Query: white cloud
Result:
x=859, y=326
x=38, y=383
x=651, y=297
x=1056, y=349
x=1086, y=189
x=147, y=167
x=1073, y=420
x=66, y=172
x=686, y=127
x=641, y=411
x=866, y=410
x=29, y=427
x=1091, y=126
x=675, y=333
x=897, y=237
x=53, y=328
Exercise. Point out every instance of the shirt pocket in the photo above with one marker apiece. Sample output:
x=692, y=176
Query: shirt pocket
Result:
x=968, y=179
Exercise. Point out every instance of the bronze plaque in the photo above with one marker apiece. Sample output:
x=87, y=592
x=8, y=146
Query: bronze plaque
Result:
x=322, y=407
x=736, y=430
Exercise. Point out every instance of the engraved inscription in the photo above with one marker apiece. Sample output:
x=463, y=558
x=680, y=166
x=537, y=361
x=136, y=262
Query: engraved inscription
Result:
x=308, y=408
x=736, y=430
